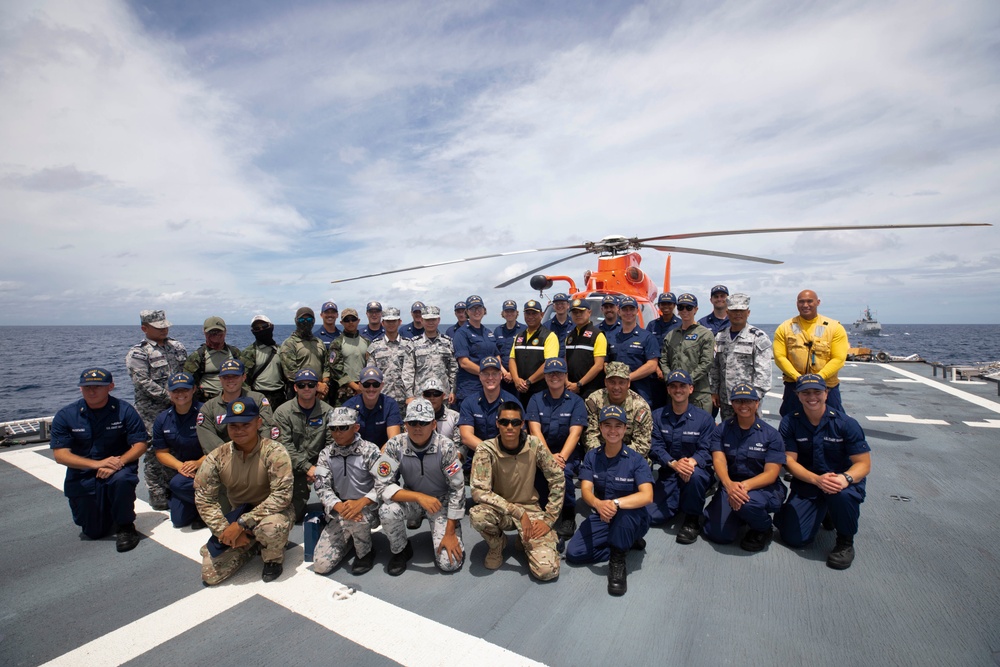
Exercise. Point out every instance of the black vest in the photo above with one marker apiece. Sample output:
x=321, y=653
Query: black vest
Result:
x=580, y=358
x=530, y=355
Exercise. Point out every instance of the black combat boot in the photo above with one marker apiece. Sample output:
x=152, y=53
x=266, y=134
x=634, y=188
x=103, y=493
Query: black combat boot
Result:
x=688, y=534
x=127, y=538
x=842, y=555
x=617, y=576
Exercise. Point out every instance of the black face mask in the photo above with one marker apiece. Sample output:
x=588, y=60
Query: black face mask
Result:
x=304, y=329
x=264, y=336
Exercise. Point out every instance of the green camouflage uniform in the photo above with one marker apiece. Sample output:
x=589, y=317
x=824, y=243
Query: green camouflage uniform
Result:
x=203, y=364
x=297, y=354
x=691, y=350
x=271, y=519
x=638, y=431
x=304, y=438
x=212, y=432
x=347, y=358
x=495, y=514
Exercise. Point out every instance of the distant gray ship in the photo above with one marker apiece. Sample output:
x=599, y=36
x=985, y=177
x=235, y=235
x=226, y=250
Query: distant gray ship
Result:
x=867, y=324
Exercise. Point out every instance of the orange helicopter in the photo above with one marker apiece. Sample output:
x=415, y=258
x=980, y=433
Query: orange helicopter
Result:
x=618, y=272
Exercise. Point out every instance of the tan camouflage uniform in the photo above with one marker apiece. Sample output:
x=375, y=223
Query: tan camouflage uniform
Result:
x=389, y=356
x=746, y=359
x=432, y=357
x=638, y=431
x=271, y=519
x=304, y=438
x=495, y=514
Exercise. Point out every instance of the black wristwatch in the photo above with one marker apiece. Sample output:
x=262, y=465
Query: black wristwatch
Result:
x=850, y=480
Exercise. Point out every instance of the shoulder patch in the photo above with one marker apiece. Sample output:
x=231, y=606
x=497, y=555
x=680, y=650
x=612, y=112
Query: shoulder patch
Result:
x=199, y=419
x=453, y=469
x=275, y=432
x=384, y=467
x=219, y=418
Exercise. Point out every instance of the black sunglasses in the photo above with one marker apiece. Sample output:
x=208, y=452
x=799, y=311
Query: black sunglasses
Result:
x=416, y=424
x=342, y=427
x=369, y=385
x=685, y=307
x=305, y=385
x=510, y=422
x=350, y=318
x=304, y=320
x=433, y=394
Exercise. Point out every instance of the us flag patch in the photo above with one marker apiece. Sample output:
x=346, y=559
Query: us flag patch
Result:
x=453, y=468
x=275, y=432
x=219, y=418
x=199, y=419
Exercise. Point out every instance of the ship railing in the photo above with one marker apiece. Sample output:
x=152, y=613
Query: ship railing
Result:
x=25, y=430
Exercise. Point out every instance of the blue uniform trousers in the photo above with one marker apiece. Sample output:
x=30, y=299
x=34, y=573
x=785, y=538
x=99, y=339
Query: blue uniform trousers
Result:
x=593, y=540
x=799, y=519
x=569, y=499
x=790, y=399
x=182, y=509
x=723, y=522
x=109, y=502
x=671, y=493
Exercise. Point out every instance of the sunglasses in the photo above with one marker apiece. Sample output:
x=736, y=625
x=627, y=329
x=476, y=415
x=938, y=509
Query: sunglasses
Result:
x=685, y=307
x=433, y=394
x=370, y=385
x=342, y=427
x=416, y=424
x=350, y=319
x=510, y=422
x=305, y=320
x=259, y=329
x=305, y=385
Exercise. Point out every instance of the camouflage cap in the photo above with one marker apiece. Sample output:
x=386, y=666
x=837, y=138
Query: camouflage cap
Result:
x=231, y=367
x=180, y=381
x=743, y=392
x=810, y=381
x=417, y=307
x=431, y=313
x=687, y=299
x=432, y=384
x=420, y=410
x=241, y=411
x=341, y=417
x=555, y=365
x=738, y=301
x=214, y=322
x=95, y=377
x=667, y=297
x=370, y=374
x=391, y=314
x=616, y=369
x=613, y=412
x=679, y=376
x=348, y=312
x=306, y=375
x=154, y=318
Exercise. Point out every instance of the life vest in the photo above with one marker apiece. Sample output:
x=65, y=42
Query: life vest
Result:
x=529, y=353
x=580, y=357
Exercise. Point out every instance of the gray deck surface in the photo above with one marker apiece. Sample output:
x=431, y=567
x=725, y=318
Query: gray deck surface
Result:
x=924, y=589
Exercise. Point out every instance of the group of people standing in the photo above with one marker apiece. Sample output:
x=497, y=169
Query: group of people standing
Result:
x=388, y=424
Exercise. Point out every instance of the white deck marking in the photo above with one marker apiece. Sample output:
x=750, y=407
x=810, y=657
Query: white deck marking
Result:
x=360, y=618
x=850, y=379
x=906, y=419
x=948, y=389
x=903, y=380
x=986, y=423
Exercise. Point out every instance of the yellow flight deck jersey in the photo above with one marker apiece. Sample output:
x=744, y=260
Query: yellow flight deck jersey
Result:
x=810, y=346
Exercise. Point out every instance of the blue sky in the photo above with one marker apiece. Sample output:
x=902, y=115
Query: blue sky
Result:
x=233, y=158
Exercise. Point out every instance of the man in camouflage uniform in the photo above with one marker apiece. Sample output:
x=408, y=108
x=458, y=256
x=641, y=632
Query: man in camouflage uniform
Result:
x=433, y=357
x=212, y=432
x=204, y=363
x=389, y=354
x=418, y=474
x=447, y=419
x=150, y=364
x=346, y=488
x=257, y=476
x=690, y=348
x=639, y=429
x=347, y=358
x=503, y=483
x=298, y=425
x=304, y=350
x=742, y=356
x=263, y=365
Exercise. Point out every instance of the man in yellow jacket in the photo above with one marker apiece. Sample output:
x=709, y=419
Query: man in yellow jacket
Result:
x=810, y=343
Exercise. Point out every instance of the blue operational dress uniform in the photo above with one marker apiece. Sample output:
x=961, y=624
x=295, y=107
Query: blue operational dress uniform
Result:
x=612, y=478
x=634, y=349
x=561, y=331
x=505, y=342
x=376, y=421
x=476, y=411
x=473, y=343
x=688, y=435
x=746, y=452
x=178, y=434
x=716, y=324
x=824, y=448
x=98, y=504
x=327, y=337
x=659, y=328
x=555, y=417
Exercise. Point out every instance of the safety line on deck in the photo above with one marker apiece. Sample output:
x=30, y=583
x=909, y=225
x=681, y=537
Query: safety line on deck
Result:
x=964, y=395
x=360, y=617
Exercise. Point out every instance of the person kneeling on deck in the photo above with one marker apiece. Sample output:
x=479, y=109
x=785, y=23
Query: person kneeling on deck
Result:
x=618, y=484
x=175, y=441
x=682, y=440
x=503, y=483
x=829, y=459
x=100, y=439
x=346, y=488
x=257, y=475
x=747, y=454
x=418, y=474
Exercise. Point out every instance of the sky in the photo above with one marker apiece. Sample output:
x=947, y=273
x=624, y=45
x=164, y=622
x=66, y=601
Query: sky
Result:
x=232, y=158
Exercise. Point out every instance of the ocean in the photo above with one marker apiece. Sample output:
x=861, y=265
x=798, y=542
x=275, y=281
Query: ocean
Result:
x=42, y=365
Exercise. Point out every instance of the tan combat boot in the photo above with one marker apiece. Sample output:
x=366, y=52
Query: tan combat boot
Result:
x=494, y=557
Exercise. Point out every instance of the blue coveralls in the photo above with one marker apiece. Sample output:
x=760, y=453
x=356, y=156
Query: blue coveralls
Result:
x=555, y=417
x=474, y=344
x=634, y=349
x=824, y=448
x=746, y=454
x=678, y=437
x=375, y=422
x=481, y=415
x=99, y=504
x=612, y=478
x=178, y=435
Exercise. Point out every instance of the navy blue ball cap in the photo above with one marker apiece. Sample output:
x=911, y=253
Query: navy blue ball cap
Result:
x=580, y=304
x=417, y=307
x=329, y=305
x=628, y=301
x=679, y=376
x=555, y=365
x=561, y=296
x=743, y=392
x=609, y=300
x=720, y=289
x=532, y=305
x=474, y=300
x=232, y=367
x=370, y=374
x=180, y=381
x=306, y=375
x=510, y=304
x=95, y=377
x=460, y=305
x=687, y=299
x=374, y=306
x=613, y=412
x=667, y=297
x=490, y=362
x=810, y=381
x=241, y=411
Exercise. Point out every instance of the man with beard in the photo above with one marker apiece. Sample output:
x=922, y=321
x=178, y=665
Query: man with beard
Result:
x=416, y=327
x=204, y=363
x=303, y=350
x=261, y=361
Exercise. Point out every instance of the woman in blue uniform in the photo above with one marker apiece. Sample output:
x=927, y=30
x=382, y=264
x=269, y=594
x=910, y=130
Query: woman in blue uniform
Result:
x=175, y=442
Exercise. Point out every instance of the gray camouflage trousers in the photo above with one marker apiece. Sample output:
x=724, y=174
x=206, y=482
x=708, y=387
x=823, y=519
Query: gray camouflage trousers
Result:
x=543, y=557
x=157, y=475
x=394, y=517
x=270, y=537
x=332, y=543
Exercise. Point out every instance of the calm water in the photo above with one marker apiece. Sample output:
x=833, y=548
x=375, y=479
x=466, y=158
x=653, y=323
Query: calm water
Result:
x=41, y=365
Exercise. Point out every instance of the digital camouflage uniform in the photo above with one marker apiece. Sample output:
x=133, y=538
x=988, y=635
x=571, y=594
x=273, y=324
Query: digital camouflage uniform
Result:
x=690, y=350
x=212, y=432
x=271, y=519
x=304, y=438
x=746, y=359
x=150, y=366
x=389, y=356
x=495, y=475
x=638, y=430
x=399, y=467
x=344, y=473
x=346, y=359
x=432, y=357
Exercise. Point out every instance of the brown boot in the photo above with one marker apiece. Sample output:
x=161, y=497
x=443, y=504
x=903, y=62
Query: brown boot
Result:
x=494, y=557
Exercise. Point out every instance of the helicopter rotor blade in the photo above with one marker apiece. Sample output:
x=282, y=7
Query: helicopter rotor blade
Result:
x=776, y=230
x=714, y=253
x=539, y=268
x=464, y=259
